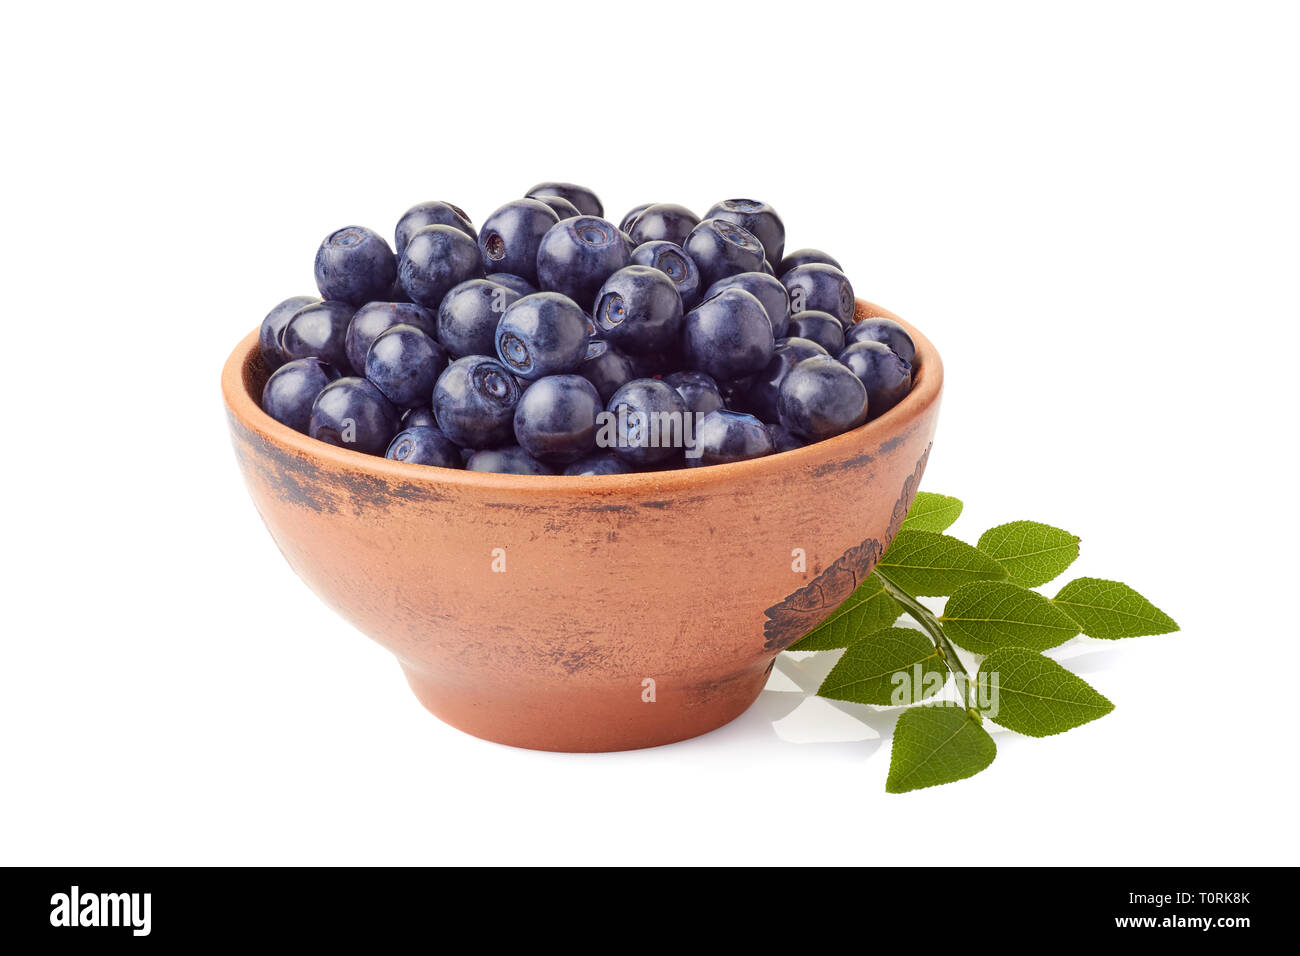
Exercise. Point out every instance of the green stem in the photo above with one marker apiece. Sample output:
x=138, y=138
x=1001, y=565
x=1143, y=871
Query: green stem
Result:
x=930, y=624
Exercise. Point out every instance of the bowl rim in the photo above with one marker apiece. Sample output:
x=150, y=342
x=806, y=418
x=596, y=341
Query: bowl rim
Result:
x=246, y=409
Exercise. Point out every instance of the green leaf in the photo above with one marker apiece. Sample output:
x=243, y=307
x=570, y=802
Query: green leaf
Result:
x=866, y=610
x=1110, y=610
x=937, y=743
x=1032, y=553
x=987, y=615
x=931, y=512
x=867, y=673
x=1034, y=695
x=927, y=563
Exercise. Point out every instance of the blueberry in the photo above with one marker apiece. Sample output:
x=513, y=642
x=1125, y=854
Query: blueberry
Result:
x=292, y=388
x=355, y=265
x=431, y=214
x=436, y=260
x=562, y=208
x=424, y=445
x=639, y=310
x=767, y=289
x=721, y=248
x=725, y=436
x=353, y=413
x=555, y=420
x=672, y=260
x=763, y=394
x=664, y=221
x=418, y=418
x=606, y=368
x=376, y=317
x=728, y=336
x=469, y=315
x=404, y=363
x=820, y=327
x=756, y=217
x=511, y=460
x=699, y=391
x=658, y=364
x=783, y=439
x=649, y=422
x=817, y=287
x=513, y=282
x=319, y=329
x=803, y=257
x=268, y=336
x=601, y=463
x=577, y=255
x=511, y=236
x=821, y=398
x=766, y=268
x=474, y=402
x=542, y=334
x=588, y=202
x=887, y=376
x=625, y=225
x=879, y=329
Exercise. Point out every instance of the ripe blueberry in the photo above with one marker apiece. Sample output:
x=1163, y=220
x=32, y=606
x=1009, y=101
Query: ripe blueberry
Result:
x=355, y=265
x=588, y=202
x=672, y=260
x=728, y=336
x=376, y=317
x=577, y=255
x=725, y=436
x=803, y=257
x=511, y=460
x=555, y=420
x=431, y=214
x=436, y=260
x=423, y=445
x=353, y=413
x=625, y=224
x=883, y=371
x=606, y=368
x=511, y=235
x=821, y=398
x=767, y=289
x=474, y=402
x=649, y=424
x=698, y=391
x=562, y=208
x=763, y=394
x=639, y=310
x=783, y=439
x=268, y=336
x=511, y=281
x=880, y=329
x=818, y=287
x=319, y=329
x=292, y=388
x=469, y=315
x=663, y=222
x=820, y=327
x=418, y=418
x=404, y=363
x=756, y=217
x=542, y=334
x=601, y=463
x=721, y=248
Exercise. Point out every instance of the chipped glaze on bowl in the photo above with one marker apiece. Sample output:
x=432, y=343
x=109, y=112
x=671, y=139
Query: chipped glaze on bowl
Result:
x=585, y=613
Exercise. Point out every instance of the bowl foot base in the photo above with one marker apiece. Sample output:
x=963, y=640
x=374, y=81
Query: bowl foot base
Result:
x=582, y=718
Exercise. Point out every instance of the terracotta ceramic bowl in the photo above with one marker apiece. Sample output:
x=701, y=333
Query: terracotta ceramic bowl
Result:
x=585, y=614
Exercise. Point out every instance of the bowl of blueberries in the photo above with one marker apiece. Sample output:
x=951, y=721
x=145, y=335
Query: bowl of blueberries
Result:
x=585, y=478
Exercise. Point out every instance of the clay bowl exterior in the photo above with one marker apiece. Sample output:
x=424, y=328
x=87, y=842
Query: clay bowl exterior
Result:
x=594, y=613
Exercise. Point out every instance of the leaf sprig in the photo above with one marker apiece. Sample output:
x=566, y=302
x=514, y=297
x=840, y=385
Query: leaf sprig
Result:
x=992, y=611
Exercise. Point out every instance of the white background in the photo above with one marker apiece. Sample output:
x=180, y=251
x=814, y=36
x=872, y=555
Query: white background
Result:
x=1091, y=210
